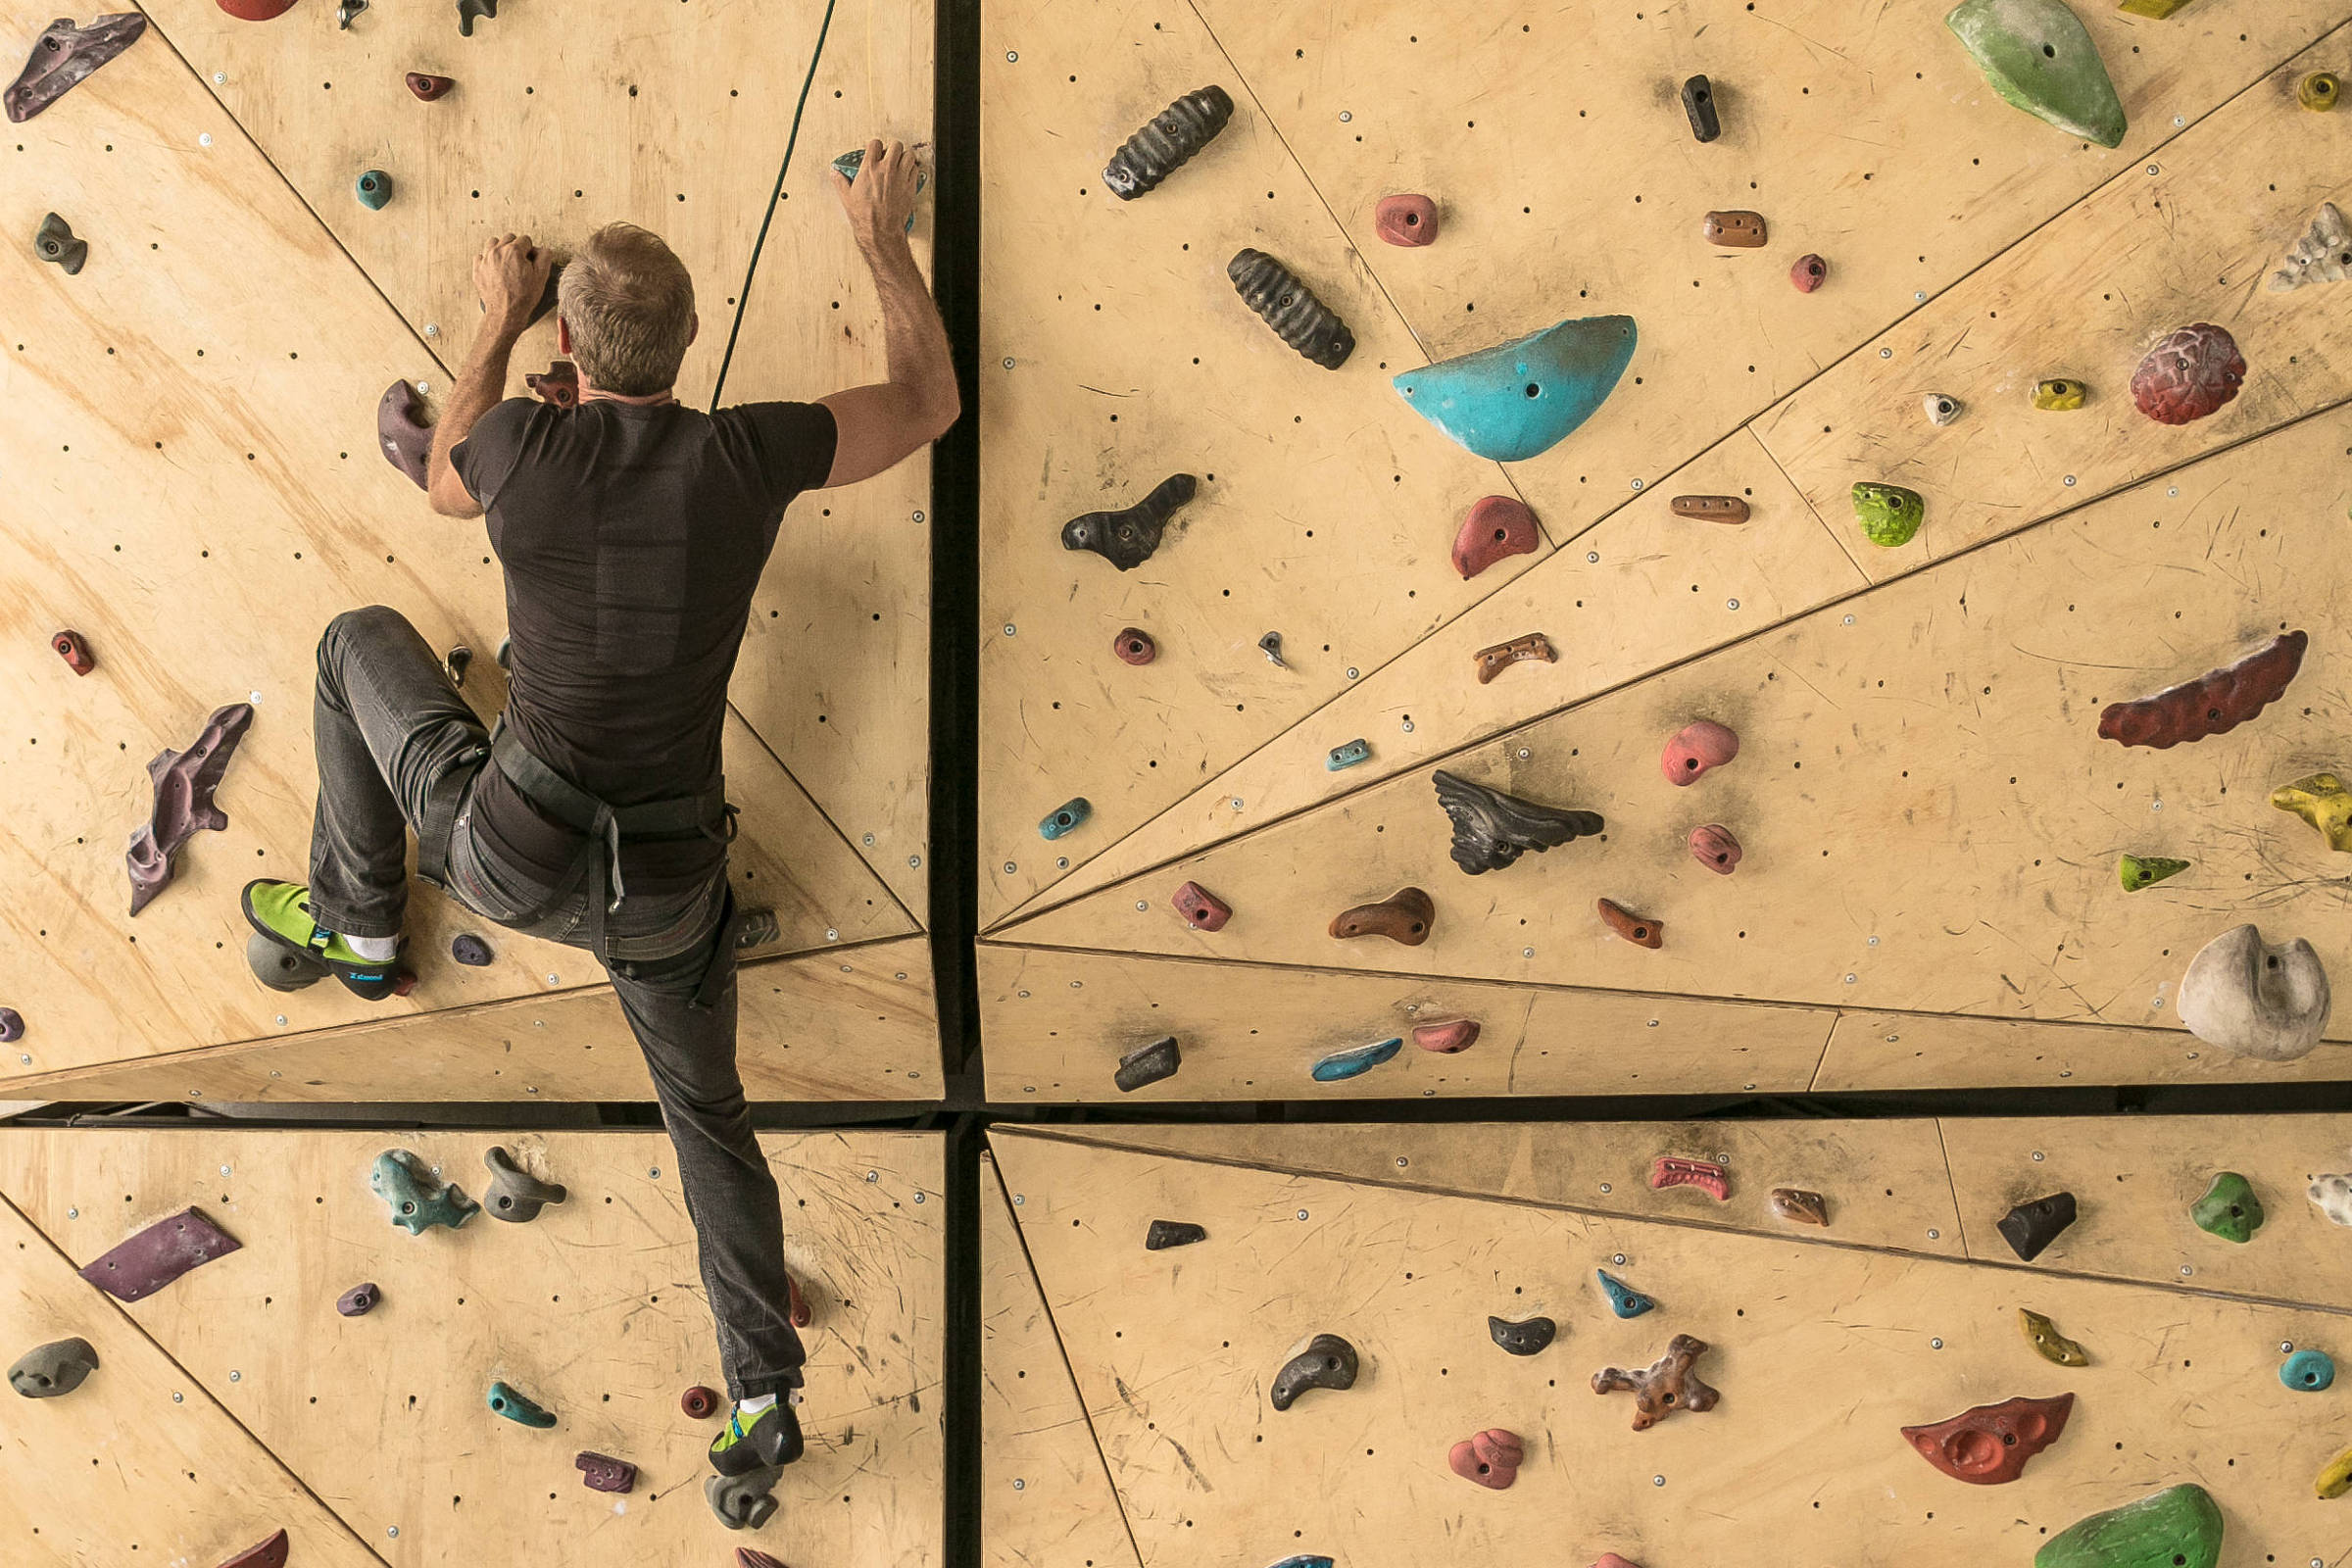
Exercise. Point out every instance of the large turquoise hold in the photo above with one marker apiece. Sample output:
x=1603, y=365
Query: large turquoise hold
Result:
x=2038, y=55
x=1356, y=1059
x=418, y=1198
x=2307, y=1371
x=1516, y=400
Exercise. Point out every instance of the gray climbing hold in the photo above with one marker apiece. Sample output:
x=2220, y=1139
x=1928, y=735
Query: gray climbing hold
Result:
x=745, y=1502
x=1524, y=1338
x=515, y=1195
x=1327, y=1362
x=1168, y=1233
x=469, y=950
x=48, y=1371
x=1149, y=1064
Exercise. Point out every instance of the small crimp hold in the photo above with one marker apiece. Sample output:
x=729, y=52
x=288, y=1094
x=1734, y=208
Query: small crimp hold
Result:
x=1446, y=1039
x=143, y=1264
x=1496, y=526
x=1167, y=142
x=601, y=1472
x=1407, y=221
x=53, y=1370
x=12, y=1026
x=346, y=11
x=1492, y=662
x=1168, y=1233
x=1736, y=231
x=2322, y=801
x=1989, y=1444
x=1527, y=1337
x=373, y=188
x=1357, y=1060
x=2320, y=91
x=2188, y=376
x=1680, y=1170
x=64, y=56
x=183, y=783
x=2058, y=395
x=2335, y=1476
x=1127, y=538
x=746, y=1501
x=469, y=950
x=1668, y=1384
x=1149, y=1064
x=1346, y=755
x=1492, y=1459
x=2256, y=999
x=2179, y=1527
x=1135, y=646
x=2137, y=871
x=698, y=1403
x=1942, y=409
x=1808, y=272
x=1640, y=930
x=418, y=1198
x=1698, y=102
x=468, y=10
x=517, y=1194
x=1624, y=1299
x=1709, y=509
x=2307, y=1371
x=1404, y=917
x=1889, y=513
x=2214, y=703
x=1493, y=830
x=400, y=431
x=2229, y=1209
x=2052, y=1346
x=75, y=651
x=1327, y=1362
x=360, y=1299
x=269, y=1554
x=2031, y=1226
x=1698, y=746
x=54, y=241
x=1201, y=909
x=518, y=1407
x=1270, y=645
x=1290, y=309
x=428, y=88
x=1064, y=818
x=1714, y=846
x=2323, y=255
x=1799, y=1206
x=559, y=386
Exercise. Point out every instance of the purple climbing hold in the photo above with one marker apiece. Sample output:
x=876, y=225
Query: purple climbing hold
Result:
x=183, y=782
x=469, y=950
x=601, y=1472
x=64, y=56
x=12, y=1026
x=401, y=430
x=360, y=1299
x=159, y=1255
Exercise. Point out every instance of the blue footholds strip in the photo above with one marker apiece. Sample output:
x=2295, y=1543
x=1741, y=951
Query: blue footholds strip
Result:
x=1356, y=1061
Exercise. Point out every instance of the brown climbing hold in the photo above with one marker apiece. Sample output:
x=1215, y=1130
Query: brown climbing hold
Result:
x=1404, y=917
x=1680, y=1170
x=1713, y=846
x=601, y=1472
x=427, y=87
x=1492, y=662
x=271, y=1553
x=1737, y=230
x=2189, y=374
x=1135, y=646
x=560, y=385
x=1989, y=1444
x=1809, y=273
x=1637, y=929
x=1698, y=746
x=1709, y=509
x=1407, y=221
x=798, y=1305
x=1496, y=526
x=754, y=1557
x=1799, y=1206
x=1446, y=1039
x=1492, y=1459
x=1668, y=1384
x=2214, y=703
x=75, y=651
x=698, y=1402
x=1201, y=909
x=64, y=56
x=401, y=433
x=183, y=783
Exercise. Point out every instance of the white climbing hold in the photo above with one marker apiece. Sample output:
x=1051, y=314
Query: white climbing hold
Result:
x=2255, y=998
x=2323, y=255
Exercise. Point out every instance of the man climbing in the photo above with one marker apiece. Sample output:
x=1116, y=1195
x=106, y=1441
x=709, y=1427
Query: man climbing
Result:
x=632, y=531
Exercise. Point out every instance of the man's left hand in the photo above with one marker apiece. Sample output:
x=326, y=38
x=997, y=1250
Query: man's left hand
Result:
x=510, y=275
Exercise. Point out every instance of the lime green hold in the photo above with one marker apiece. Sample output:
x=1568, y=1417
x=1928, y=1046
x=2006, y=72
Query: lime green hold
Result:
x=2229, y=1209
x=2179, y=1527
x=2137, y=871
x=2038, y=55
x=1889, y=515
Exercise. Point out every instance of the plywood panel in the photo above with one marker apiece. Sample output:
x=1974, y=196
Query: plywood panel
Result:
x=1821, y=1353
x=591, y=1309
x=1893, y=1050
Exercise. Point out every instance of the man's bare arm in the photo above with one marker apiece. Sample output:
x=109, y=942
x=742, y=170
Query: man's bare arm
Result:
x=510, y=274
x=878, y=426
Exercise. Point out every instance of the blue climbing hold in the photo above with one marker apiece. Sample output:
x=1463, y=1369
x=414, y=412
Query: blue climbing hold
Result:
x=519, y=1407
x=1348, y=756
x=1305, y=1560
x=1356, y=1059
x=1624, y=1299
x=1063, y=819
x=2309, y=1371
x=1515, y=399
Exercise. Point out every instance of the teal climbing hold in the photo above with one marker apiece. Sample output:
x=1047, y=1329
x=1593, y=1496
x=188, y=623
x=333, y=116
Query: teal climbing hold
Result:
x=1348, y=756
x=419, y=1199
x=2038, y=55
x=519, y=1407
x=375, y=188
x=2308, y=1371
x=1516, y=400
x=1064, y=818
x=1624, y=1299
x=1356, y=1059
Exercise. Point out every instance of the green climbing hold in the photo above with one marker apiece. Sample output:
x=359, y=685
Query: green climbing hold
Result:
x=2179, y=1527
x=1518, y=398
x=2229, y=1209
x=373, y=189
x=2038, y=55
x=419, y=1199
x=519, y=1407
x=2137, y=871
x=1889, y=515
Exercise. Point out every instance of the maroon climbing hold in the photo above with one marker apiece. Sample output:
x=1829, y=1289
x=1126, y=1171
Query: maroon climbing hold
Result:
x=64, y=56
x=1709, y=509
x=427, y=87
x=697, y=1403
x=798, y=1305
x=1407, y=221
x=1713, y=846
x=1677, y=1170
x=12, y=1026
x=601, y=1472
x=360, y=1299
x=1496, y=526
x=271, y=1553
x=183, y=783
x=754, y=1557
x=2191, y=374
x=1668, y=1384
x=1491, y=1459
x=1135, y=646
x=1697, y=747
x=1799, y=1205
x=144, y=1264
x=1492, y=662
x=1808, y=273
x=1990, y=1444
x=560, y=385
x=75, y=651
x=469, y=950
x=1404, y=917
x=257, y=10
x=401, y=430
x=1445, y=1038
x=1639, y=929
x=1201, y=909
x=2214, y=703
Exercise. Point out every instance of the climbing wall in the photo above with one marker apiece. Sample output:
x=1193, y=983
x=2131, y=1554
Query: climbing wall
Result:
x=369, y=1438
x=1822, y=1343
x=192, y=419
x=1929, y=826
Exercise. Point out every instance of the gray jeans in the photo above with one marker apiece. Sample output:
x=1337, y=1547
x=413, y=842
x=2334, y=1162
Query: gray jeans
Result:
x=388, y=729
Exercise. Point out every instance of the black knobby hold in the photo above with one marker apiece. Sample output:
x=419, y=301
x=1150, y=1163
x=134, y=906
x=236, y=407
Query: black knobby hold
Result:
x=2035, y=1224
x=1698, y=102
x=48, y=1371
x=1327, y=1362
x=54, y=241
x=1149, y=1064
x=1523, y=1338
x=1167, y=142
x=467, y=10
x=1290, y=309
x=1168, y=1233
x=1126, y=539
x=1492, y=829
x=63, y=58
x=515, y=1195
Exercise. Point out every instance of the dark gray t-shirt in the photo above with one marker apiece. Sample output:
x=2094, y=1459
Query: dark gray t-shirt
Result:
x=632, y=538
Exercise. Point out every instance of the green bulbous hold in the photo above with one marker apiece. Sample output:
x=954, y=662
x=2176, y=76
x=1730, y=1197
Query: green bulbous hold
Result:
x=2179, y=1527
x=1889, y=515
x=2137, y=871
x=2229, y=1209
x=2038, y=55
x=420, y=1200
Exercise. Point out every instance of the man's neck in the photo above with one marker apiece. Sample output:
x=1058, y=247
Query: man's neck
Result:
x=652, y=400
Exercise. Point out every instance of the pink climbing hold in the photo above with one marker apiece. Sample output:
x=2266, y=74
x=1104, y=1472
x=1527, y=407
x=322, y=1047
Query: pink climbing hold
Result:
x=1808, y=273
x=401, y=433
x=1678, y=1170
x=257, y=10
x=1496, y=526
x=1407, y=221
x=1697, y=747
x=1714, y=848
x=1201, y=909
x=1492, y=1459
x=1446, y=1039
x=1609, y=1559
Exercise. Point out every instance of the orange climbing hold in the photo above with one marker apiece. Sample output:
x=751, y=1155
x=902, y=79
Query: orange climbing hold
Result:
x=1637, y=929
x=1405, y=916
x=1492, y=1459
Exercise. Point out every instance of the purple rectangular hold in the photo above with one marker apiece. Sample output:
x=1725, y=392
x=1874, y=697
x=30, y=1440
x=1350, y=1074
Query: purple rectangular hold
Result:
x=601, y=1472
x=159, y=1255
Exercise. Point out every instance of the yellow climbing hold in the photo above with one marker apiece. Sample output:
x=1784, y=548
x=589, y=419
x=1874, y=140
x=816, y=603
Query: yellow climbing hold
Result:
x=2058, y=394
x=2319, y=91
x=2322, y=800
x=2336, y=1480
x=2158, y=9
x=2046, y=1338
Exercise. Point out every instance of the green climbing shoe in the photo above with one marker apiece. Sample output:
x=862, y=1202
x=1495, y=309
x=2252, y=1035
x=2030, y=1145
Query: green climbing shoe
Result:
x=772, y=1438
x=281, y=912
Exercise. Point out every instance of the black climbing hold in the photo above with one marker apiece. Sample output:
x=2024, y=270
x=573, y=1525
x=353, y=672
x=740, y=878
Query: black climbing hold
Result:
x=1168, y=1233
x=745, y=1502
x=1149, y=1064
x=1492, y=829
x=467, y=10
x=47, y=1371
x=64, y=56
x=54, y=241
x=1698, y=102
x=347, y=10
x=279, y=968
x=2034, y=1225
x=515, y=1195
x=1167, y=142
x=456, y=662
x=1327, y=1362
x=360, y=1299
x=1126, y=539
x=1290, y=309
x=469, y=950
x=757, y=928
x=1270, y=645
x=1523, y=1338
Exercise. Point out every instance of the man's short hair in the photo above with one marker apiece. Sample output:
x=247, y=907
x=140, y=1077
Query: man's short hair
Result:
x=629, y=302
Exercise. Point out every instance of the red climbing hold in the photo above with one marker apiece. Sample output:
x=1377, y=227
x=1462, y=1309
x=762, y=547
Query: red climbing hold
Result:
x=2189, y=374
x=400, y=431
x=1714, y=848
x=1135, y=646
x=257, y=10
x=1677, y=1170
x=427, y=87
x=2214, y=703
x=183, y=783
x=1407, y=221
x=1492, y=1459
x=1445, y=1038
x=75, y=651
x=802, y=1317
x=1640, y=930
x=1496, y=526
x=560, y=385
x=1808, y=272
x=1201, y=909
x=271, y=1553
x=1697, y=747
x=1990, y=1444
x=698, y=1402
x=1609, y=1559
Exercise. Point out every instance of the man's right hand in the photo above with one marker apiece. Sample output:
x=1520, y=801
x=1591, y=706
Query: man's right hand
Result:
x=881, y=199
x=510, y=275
